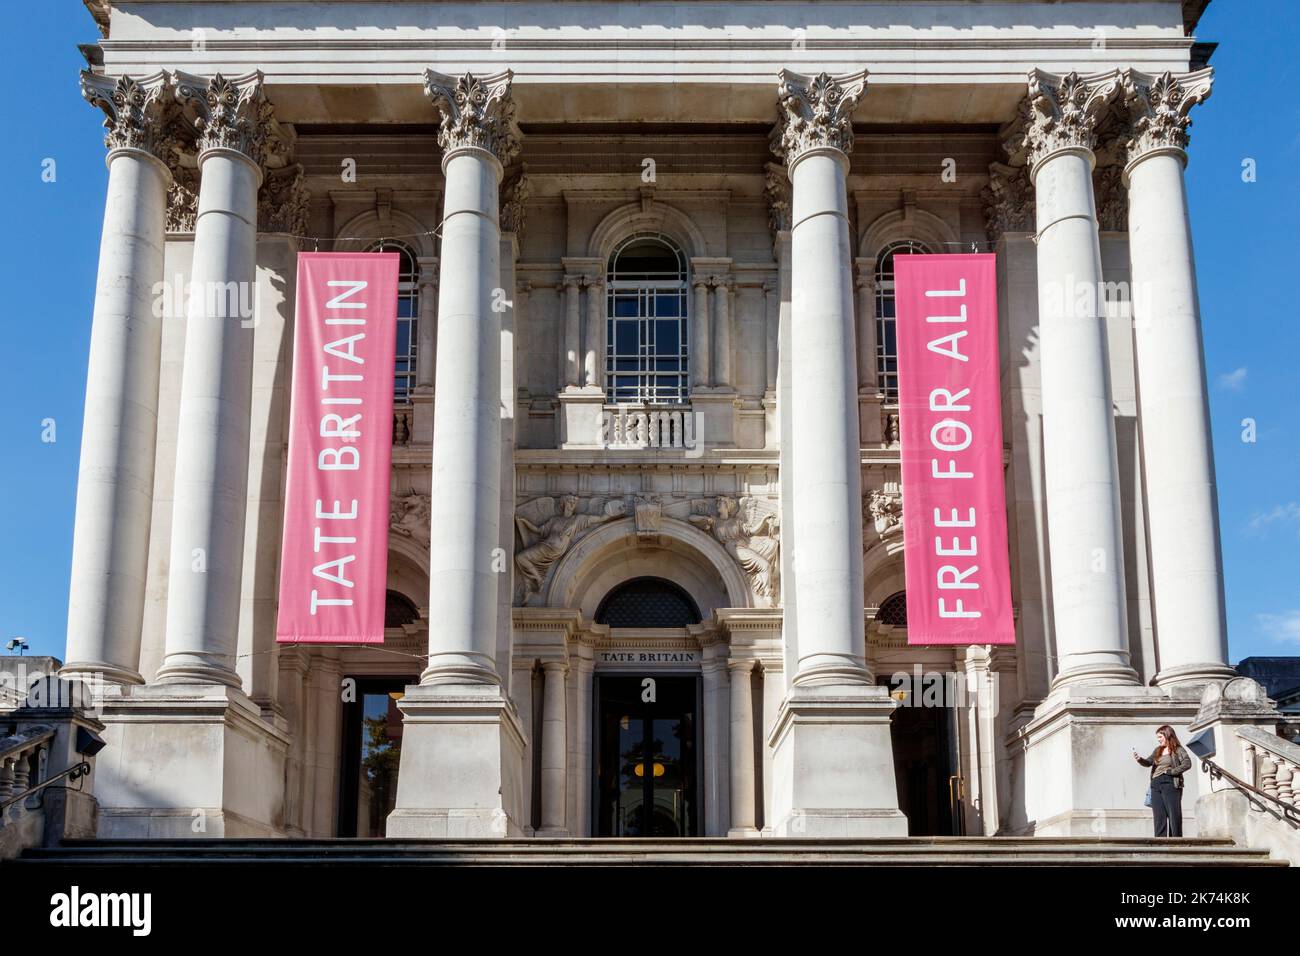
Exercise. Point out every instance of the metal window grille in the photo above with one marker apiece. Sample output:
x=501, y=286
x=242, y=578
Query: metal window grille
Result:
x=408, y=318
x=647, y=332
x=886, y=327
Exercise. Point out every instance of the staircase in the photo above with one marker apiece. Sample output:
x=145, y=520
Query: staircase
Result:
x=910, y=851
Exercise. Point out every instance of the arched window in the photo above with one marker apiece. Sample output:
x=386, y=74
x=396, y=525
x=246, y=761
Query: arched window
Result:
x=647, y=602
x=399, y=609
x=886, y=330
x=408, y=318
x=646, y=326
x=893, y=610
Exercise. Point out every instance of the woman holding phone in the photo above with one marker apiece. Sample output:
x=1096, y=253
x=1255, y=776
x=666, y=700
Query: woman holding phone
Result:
x=1168, y=762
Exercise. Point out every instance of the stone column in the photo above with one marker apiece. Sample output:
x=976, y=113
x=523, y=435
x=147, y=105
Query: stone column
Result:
x=722, y=332
x=467, y=424
x=865, y=283
x=462, y=772
x=572, y=331
x=554, y=750
x=593, y=351
x=1082, y=474
x=426, y=360
x=1177, y=455
x=699, y=334
x=743, y=781
x=833, y=762
x=211, y=488
x=771, y=330
x=110, y=544
x=828, y=485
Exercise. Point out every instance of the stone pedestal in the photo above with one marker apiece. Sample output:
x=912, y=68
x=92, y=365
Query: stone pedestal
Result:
x=1075, y=756
x=833, y=764
x=462, y=764
x=188, y=760
x=581, y=414
x=715, y=413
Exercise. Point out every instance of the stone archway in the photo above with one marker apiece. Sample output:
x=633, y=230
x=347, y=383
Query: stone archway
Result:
x=678, y=552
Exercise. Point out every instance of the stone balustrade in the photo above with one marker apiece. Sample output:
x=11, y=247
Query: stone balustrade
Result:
x=403, y=421
x=647, y=426
x=1275, y=762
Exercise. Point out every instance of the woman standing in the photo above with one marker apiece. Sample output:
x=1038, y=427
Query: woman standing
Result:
x=1168, y=762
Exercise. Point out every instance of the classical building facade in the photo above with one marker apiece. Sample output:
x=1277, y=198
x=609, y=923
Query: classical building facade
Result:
x=646, y=560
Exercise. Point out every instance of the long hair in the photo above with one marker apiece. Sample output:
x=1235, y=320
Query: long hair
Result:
x=1172, y=744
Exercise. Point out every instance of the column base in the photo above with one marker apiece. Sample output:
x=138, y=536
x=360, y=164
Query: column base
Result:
x=1075, y=758
x=461, y=772
x=744, y=833
x=1192, y=678
x=582, y=411
x=833, y=763
x=557, y=833
x=188, y=760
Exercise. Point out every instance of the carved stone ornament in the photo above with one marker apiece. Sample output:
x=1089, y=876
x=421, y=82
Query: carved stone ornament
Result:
x=283, y=201
x=477, y=113
x=230, y=114
x=1111, y=198
x=1064, y=111
x=408, y=517
x=515, y=191
x=1158, y=108
x=816, y=112
x=1008, y=200
x=750, y=531
x=547, y=528
x=136, y=111
x=183, y=199
x=777, y=191
x=883, y=507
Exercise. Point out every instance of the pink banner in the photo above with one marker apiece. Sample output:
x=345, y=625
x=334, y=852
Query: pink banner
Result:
x=950, y=424
x=334, y=557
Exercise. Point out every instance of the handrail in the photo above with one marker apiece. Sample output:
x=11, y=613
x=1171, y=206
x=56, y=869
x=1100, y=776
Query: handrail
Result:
x=72, y=773
x=1289, y=813
x=16, y=744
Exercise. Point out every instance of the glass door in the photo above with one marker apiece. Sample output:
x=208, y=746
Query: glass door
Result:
x=647, y=755
x=372, y=750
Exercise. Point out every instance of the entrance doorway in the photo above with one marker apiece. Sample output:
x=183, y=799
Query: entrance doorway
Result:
x=929, y=790
x=372, y=750
x=647, y=756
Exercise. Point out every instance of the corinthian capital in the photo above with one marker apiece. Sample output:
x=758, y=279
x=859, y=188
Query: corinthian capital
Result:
x=1158, y=108
x=230, y=113
x=1064, y=112
x=135, y=111
x=477, y=113
x=816, y=112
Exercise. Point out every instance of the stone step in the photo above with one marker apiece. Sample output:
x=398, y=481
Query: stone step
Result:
x=911, y=851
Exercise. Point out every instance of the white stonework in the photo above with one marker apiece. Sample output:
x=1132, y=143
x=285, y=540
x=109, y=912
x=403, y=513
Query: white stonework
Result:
x=772, y=149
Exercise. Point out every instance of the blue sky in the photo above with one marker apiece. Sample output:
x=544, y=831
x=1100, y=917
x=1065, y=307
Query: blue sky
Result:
x=1246, y=245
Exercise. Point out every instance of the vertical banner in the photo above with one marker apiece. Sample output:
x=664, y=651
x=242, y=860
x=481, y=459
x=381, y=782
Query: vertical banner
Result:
x=334, y=556
x=950, y=422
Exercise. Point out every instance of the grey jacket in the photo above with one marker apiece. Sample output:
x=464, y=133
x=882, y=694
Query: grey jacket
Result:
x=1181, y=762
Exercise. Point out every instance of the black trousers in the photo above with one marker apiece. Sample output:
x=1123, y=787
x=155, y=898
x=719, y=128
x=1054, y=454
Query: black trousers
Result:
x=1167, y=806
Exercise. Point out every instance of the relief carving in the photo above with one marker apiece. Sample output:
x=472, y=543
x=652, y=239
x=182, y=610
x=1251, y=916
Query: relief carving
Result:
x=750, y=531
x=547, y=528
x=409, y=517
x=883, y=508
